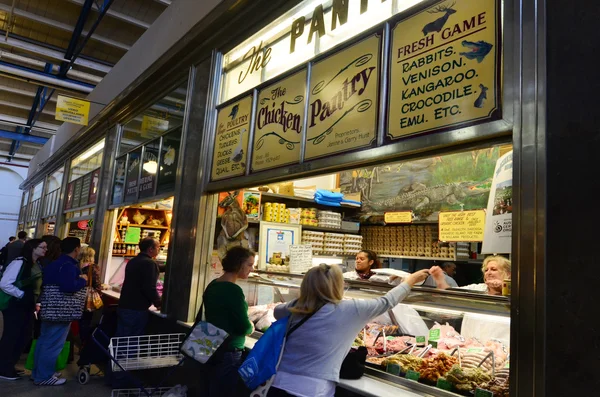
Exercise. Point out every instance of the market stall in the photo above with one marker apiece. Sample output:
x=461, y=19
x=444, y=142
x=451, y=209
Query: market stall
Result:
x=386, y=135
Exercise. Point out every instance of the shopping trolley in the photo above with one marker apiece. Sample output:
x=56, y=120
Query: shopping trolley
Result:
x=141, y=352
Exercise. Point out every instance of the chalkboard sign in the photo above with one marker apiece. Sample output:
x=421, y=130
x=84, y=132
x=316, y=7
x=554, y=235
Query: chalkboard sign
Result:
x=85, y=189
x=131, y=180
x=77, y=193
x=169, y=157
x=117, y=193
x=69, y=200
x=94, y=187
x=149, y=169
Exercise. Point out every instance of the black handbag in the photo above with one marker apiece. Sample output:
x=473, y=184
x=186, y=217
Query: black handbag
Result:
x=353, y=366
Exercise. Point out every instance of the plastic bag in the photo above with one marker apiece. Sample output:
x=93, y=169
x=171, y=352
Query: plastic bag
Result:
x=177, y=391
x=409, y=320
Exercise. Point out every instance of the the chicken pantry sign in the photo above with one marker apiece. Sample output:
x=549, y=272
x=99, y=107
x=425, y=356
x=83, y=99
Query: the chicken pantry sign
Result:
x=279, y=119
x=231, y=141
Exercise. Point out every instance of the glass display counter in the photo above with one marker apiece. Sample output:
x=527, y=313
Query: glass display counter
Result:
x=434, y=342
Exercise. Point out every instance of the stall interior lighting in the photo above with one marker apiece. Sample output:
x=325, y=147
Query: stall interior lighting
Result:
x=150, y=167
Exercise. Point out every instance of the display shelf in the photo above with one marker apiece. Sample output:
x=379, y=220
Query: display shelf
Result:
x=124, y=255
x=273, y=197
x=329, y=230
x=424, y=258
x=342, y=256
x=145, y=226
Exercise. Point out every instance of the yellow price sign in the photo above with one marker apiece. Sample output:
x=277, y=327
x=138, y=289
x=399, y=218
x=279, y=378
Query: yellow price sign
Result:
x=72, y=110
x=398, y=217
x=462, y=225
x=153, y=126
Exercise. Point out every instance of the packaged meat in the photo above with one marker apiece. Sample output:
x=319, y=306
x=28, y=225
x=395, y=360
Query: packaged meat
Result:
x=256, y=312
x=265, y=321
x=449, y=338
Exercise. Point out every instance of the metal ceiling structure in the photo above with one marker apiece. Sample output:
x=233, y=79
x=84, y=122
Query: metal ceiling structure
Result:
x=51, y=47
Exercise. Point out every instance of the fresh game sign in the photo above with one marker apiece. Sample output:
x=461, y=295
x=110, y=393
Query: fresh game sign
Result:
x=445, y=67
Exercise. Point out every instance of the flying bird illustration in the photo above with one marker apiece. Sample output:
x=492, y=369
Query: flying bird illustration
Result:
x=478, y=50
x=234, y=111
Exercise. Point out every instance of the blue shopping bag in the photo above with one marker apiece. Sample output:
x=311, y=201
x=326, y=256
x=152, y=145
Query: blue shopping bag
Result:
x=262, y=361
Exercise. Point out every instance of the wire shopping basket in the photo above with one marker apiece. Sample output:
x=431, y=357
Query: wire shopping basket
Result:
x=145, y=351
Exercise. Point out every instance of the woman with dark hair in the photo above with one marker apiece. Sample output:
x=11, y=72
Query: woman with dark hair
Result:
x=365, y=261
x=53, y=252
x=19, y=281
x=226, y=307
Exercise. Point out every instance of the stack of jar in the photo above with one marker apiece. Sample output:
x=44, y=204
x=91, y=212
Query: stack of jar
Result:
x=277, y=263
x=352, y=244
x=276, y=212
x=330, y=219
x=316, y=239
x=308, y=217
x=333, y=244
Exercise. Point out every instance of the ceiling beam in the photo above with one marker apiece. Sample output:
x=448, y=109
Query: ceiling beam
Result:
x=22, y=137
x=19, y=91
x=17, y=155
x=83, y=16
x=23, y=107
x=42, y=78
x=48, y=128
x=62, y=26
x=118, y=15
x=40, y=64
x=51, y=54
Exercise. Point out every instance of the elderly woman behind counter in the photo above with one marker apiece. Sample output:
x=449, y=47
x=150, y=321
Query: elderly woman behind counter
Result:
x=495, y=270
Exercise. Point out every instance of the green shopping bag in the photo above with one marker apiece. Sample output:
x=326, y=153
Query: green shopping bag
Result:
x=61, y=361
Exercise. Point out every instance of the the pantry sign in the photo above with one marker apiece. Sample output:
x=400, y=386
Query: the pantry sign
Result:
x=279, y=121
x=342, y=111
x=445, y=67
x=231, y=140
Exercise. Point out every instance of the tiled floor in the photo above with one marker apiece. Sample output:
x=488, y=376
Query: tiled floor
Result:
x=25, y=387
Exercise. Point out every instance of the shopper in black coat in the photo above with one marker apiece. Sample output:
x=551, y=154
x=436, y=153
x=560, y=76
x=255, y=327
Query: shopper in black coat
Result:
x=139, y=290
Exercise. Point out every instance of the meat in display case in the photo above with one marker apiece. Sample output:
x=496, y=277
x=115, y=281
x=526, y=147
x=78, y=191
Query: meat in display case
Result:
x=450, y=340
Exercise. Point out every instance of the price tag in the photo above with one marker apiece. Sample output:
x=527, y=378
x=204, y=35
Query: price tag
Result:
x=393, y=369
x=483, y=393
x=398, y=217
x=444, y=384
x=412, y=375
x=420, y=340
x=433, y=343
x=434, y=334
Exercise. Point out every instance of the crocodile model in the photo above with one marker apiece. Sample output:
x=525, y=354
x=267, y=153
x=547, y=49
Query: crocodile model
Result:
x=451, y=193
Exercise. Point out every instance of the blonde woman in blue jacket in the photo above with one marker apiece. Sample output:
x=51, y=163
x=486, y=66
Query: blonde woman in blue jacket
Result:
x=313, y=354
